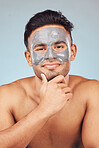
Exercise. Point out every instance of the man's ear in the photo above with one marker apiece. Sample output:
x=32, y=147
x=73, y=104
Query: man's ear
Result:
x=28, y=57
x=73, y=51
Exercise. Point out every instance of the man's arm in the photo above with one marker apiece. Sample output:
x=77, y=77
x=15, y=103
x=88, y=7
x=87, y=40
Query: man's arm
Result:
x=90, y=129
x=53, y=97
x=20, y=134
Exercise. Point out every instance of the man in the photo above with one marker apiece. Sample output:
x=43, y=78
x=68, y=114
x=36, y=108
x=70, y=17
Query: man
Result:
x=52, y=109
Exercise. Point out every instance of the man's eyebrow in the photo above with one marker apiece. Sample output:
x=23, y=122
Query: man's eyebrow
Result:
x=59, y=42
x=40, y=44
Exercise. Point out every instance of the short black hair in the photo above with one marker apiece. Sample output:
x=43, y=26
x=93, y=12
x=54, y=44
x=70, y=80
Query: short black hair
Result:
x=44, y=18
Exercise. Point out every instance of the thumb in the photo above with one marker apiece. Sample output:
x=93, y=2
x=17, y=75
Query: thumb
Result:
x=44, y=79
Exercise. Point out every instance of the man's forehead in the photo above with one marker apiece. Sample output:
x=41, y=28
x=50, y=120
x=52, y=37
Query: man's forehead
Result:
x=49, y=26
x=49, y=33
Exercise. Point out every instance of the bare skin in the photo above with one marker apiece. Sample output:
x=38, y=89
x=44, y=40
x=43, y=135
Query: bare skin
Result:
x=53, y=110
x=75, y=125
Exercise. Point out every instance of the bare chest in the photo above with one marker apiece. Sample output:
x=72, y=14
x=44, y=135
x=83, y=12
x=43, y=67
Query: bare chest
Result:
x=63, y=130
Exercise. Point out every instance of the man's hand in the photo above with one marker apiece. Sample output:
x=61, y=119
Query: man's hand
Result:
x=54, y=94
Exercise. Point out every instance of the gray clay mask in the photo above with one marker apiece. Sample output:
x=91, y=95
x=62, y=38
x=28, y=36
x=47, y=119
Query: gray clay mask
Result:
x=49, y=43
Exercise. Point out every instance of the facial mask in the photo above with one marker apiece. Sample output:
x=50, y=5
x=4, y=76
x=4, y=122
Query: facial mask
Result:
x=49, y=36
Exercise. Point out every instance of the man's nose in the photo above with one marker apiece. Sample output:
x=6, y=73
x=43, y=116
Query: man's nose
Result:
x=49, y=53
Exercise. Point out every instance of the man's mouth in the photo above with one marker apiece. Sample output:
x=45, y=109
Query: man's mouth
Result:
x=51, y=66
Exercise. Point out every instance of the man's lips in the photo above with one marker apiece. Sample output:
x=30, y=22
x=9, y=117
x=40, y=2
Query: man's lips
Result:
x=51, y=66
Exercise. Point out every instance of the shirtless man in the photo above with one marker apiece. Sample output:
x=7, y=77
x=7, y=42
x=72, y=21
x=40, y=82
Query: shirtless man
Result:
x=52, y=109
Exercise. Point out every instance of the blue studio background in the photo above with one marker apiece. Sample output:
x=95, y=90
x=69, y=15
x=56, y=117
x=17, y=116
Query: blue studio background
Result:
x=14, y=14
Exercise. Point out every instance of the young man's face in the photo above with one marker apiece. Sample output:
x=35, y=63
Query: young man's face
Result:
x=50, y=48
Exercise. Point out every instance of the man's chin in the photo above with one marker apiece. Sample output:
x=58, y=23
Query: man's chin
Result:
x=51, y=78
x=48, y=77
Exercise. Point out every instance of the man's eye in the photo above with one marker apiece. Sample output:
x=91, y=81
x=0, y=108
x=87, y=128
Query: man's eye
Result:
x=59, y=47
x=39, y=49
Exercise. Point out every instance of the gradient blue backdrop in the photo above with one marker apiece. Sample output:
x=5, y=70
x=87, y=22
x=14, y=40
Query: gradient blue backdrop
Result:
x=14, y=14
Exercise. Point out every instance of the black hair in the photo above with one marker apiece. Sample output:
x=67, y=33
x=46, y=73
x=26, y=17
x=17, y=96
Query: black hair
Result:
x=44, y=18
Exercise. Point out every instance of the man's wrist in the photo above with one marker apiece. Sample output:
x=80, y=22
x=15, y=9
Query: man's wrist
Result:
x=43, y=113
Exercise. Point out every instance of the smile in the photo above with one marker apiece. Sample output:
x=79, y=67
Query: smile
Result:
x=51, y=66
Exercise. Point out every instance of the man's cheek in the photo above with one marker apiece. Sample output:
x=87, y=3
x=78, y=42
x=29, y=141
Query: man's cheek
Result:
x=37, y=58
x=63, y=56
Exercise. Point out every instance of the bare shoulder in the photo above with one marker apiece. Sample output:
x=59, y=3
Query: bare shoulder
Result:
x=11, y=89
x=86, y=88
x=14, y=92
x=79, y=81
